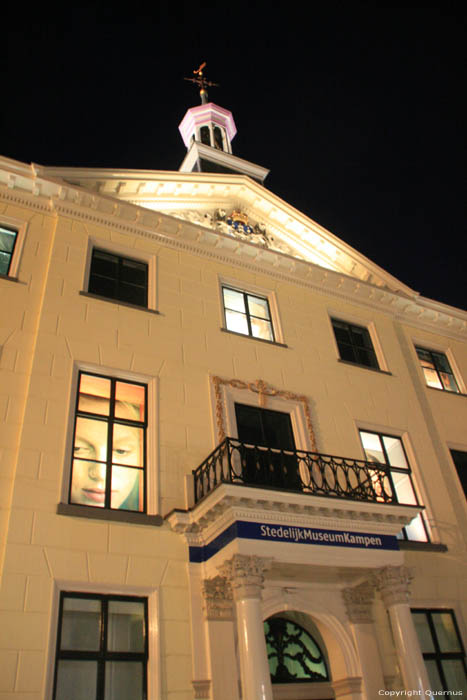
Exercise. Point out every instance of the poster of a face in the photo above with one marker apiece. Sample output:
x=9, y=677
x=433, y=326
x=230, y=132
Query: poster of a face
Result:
x=109, y=445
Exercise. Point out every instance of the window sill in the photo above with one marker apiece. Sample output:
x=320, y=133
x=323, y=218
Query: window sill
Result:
x=119, y=516
x=356, y=364
x=445, y=391
x=252, y=337
x=8, y=278
x=414, y=546
x=119, y=303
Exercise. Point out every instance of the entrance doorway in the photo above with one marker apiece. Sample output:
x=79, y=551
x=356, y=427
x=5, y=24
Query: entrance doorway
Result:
x=268, y=442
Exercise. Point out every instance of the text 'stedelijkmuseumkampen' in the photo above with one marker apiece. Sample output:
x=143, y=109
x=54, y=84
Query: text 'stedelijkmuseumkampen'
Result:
x=234, y=451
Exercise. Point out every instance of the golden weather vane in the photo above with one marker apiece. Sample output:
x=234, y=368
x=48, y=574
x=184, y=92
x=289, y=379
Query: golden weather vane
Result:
x=201, y=81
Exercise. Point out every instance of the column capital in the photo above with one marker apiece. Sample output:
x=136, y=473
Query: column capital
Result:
x=358, y=602
x=246, y=574
x=218, y=601
x=393, y=583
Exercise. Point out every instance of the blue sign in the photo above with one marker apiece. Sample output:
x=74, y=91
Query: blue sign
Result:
x=294, y=535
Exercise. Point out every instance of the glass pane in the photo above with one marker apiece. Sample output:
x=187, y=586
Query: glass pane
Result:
x=128, y=445
x=341, y=331
x=261, y=329
x=90, y=439
x=454, y=673
x=88, y=483
x=130, y=401
x=446, y=632
x=372, y=446
x=361, y=337
x=127, y=489
x=395, y=452
x=416, y=530
x=94, y=394
x=103, y=286
x=258, y=307
x=433, y=674
x=5, y=259
x=441, y=362
x=404, y=488
x=449, y=382
x=348, y=353
x=233, y=300
x=132, y=294
x=76, y=680
x=126, y=626
x=134, y=272
x=104, y=264
x=123, y=680
x=423, y=632
x=236, y=322
x=431, y=378
x=366, y=357
x=81, y=624
x=7, y=240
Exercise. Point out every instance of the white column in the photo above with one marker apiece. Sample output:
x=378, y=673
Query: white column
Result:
x=393, y=584
x=218, y=609
x=245, y=574
x=358, y=602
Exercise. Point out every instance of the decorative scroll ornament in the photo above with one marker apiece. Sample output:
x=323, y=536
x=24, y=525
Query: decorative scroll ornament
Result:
x=246, y=574
x=393, y=582
x=217, y=594
x=358, y=602
x=263, y=390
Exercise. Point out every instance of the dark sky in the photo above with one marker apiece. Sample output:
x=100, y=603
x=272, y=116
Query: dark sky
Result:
x=358, y=111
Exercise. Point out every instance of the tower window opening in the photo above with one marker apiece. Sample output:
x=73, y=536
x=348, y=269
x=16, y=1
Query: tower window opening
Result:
x=218, y=138
x=205, y=135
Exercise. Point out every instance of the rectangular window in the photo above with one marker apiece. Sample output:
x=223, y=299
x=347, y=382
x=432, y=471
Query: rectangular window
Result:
x=247, y=313
x=354, y=343
x=7, y=247
x=116, y=277
x=102, y=648
x=437, y=370
x=109, y=444
x=442, y=649
x=460, y=462
x=389, y=450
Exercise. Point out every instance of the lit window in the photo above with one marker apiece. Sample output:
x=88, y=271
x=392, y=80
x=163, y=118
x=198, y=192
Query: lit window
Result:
x=354, y=343
x=293, y=654
x=102, y=648
x=460, y=462
x=7, y=246
x=442, y=650
x=247, y=313
x=437, y=370
x=109, y=445
x=389, y=450
x=119, y=278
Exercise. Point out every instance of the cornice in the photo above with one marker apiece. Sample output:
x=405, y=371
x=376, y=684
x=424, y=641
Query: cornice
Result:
x=19, y=186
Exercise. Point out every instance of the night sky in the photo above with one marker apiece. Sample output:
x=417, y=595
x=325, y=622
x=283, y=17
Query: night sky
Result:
x=358, y=112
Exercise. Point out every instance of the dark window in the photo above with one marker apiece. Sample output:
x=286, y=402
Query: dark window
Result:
x=437, y=370
x=293, y=654
x=260, y=428
x=389, y=450
x=354, y=344
x=460, y=461
x=102, y=648
x=7, y=247
x=109, y=445
x=218, y=140
x=248, y=314
x=205, y=135
x=442, y=649
x=118, y=278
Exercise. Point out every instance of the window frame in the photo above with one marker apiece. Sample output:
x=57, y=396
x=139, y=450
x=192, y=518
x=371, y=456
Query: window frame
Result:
x=19, y=227
x=260, y=293
x=397, y=470
x=372, y=335
x=450, y=362
x=438, y=656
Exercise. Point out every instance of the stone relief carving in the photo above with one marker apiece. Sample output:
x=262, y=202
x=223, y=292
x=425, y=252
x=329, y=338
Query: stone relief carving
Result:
x=217, y=594
x=358, y=601
x=263, y=390
x=246, y=574
x=393, y=583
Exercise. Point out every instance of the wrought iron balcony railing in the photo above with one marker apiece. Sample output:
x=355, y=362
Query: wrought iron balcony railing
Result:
x=236, y=462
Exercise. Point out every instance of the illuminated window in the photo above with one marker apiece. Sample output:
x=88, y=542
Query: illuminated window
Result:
x=354, y=343
x=437, y=370
x=441, y=646
x=293, y=655
x=119, y=278
x=389, y=450
x=109, y=444
x=248, y=314
x=102, y=648
x=7, y=247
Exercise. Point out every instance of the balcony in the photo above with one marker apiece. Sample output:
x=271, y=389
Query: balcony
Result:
x=297, y=471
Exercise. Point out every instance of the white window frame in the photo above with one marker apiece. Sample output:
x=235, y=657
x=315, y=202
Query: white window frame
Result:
x=268, y=294
x=152, y=462
x=363, y=323
x=20, y=226
x=425, y=344
x=154, y=665
x=109, y=246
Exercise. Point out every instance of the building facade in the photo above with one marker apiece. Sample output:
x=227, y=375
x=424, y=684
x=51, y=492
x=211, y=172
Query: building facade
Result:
x=233, y=449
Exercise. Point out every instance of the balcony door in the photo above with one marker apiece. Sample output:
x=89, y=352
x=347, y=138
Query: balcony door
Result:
x=266, y=435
